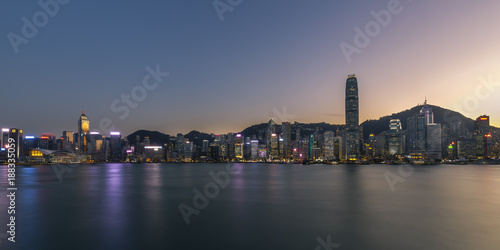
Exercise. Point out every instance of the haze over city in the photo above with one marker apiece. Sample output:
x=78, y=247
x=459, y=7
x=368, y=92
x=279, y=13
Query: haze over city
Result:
x=231, y=73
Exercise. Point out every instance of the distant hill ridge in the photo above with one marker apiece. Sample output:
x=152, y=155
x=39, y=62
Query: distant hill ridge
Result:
x=441, y=115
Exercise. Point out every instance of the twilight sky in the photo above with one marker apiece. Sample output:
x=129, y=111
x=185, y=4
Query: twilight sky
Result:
x=226, y=75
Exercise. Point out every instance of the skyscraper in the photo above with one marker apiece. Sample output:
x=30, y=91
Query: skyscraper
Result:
x=481, y=130
x=116, y=146
x=329, y=146
x=395, y=137
x=5, y=137
x=83, y=130
x=352, y=118
x=286, y=134
x=67, y=143
x=238, y=146
x=17, y=135
x=271, y=129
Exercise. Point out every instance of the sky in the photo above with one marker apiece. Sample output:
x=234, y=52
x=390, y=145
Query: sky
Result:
x=241, y=64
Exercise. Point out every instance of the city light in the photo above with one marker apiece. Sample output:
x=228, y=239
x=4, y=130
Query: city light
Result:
x=94, y=133
x=152, y=147
x=114, y=133
x=29, y=137
x=238, y=135
x=5, y=130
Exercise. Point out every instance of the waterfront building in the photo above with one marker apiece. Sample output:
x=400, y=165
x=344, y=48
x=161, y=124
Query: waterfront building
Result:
x=352, y=119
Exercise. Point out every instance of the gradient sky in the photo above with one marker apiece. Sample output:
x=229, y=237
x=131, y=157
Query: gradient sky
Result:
x=225, y=76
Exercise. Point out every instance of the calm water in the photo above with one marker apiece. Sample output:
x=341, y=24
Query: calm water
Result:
x=131, y=206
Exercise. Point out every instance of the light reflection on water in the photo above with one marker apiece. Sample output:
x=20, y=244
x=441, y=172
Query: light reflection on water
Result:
x=132, y=206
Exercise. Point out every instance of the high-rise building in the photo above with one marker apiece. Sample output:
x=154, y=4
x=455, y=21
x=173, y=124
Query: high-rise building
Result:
x=116, y=146
x=274, y=152
x=416, y=134
x=238, y=146
x=312, y=145
x=352, y=119
x=329, y=145
x=204, y=148
x=247, y=148
x=271, y=129
x=30, y=142
x=481, y=130
x=68, y=140
x=286, y=135
x=254, y=149
x=179, y=145
x=189, y=150
x=5, y=137
x=427, y=113
x=83, y=130
x=466, y=148
x=96, y=143
x=47, y=141
x=381, y=145
x=395, y=137
x=488, y=146
x=433, y=141
x=17, y=135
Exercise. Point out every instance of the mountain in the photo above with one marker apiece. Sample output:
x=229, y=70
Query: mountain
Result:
x=198, y=137
x=441, y=115
x=306, y=129
x=156, y=138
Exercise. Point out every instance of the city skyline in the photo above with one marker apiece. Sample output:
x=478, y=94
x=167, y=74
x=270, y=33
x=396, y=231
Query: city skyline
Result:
x=227, y=75
x=93, y=128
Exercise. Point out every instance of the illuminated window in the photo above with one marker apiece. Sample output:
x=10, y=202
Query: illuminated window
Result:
x=36, y=153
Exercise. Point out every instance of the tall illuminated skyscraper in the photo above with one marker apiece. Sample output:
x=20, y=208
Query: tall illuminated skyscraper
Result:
x=116, y=146
x=481, y=132
x=286, y=134
x=352, y=118
x=271, y=130
x=395, y=137
x=83, y=130
x=329, y=145
x=238, y=146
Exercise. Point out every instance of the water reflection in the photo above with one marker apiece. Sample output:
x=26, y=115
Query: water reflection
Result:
x=132, y=206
